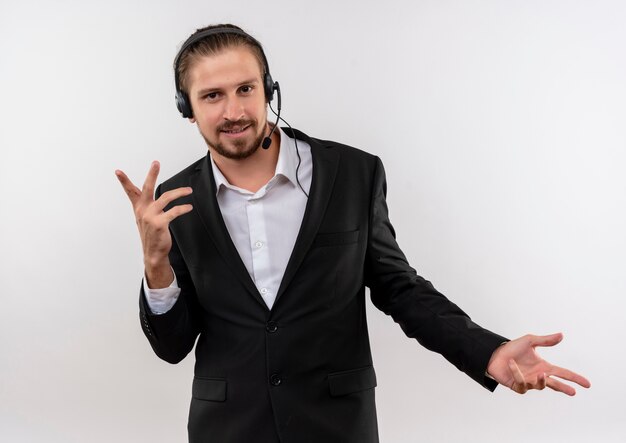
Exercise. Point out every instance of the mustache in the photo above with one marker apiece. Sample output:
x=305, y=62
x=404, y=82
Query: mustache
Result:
x=229, y=126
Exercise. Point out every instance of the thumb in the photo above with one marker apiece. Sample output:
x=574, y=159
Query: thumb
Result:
x=546, y=340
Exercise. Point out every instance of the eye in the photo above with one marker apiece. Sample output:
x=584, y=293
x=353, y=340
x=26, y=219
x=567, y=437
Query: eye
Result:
x=246, y=89
x=211, y=96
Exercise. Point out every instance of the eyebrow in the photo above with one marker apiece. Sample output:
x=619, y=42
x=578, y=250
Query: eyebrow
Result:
x=209, y=90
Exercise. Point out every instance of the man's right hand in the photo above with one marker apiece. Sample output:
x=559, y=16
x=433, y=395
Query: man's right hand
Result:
x=153, y=224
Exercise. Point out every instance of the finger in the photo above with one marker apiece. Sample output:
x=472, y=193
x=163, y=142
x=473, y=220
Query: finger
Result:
x=177, y=211
x=541, y=382
x=132, y=191
x=169, y=196
x=148, y=185
x=572, y=376
x=546, y=340
x=560, y=386
x=519, y=384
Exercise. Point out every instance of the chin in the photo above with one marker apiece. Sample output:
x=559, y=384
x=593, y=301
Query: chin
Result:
x=236, y=154
x=236, y=150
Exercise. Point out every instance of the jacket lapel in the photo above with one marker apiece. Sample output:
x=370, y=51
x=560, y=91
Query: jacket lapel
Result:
x=325, y=162
x=205, y=203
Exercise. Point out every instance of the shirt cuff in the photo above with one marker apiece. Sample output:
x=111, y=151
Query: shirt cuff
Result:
x=161, y=300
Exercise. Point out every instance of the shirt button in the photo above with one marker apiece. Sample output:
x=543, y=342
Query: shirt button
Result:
x=258, y=244
x=275, y=379
x=271, y=326
x=264, y=291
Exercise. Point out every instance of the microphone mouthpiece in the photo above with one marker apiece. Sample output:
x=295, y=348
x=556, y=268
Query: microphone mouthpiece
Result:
x=267, y=141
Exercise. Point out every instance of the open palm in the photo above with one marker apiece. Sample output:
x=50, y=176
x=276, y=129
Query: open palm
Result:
x=517, y=365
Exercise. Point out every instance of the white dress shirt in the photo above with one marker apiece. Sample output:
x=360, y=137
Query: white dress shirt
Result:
x=263, y=225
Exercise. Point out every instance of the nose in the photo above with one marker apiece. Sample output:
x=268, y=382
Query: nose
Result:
x=233, y=108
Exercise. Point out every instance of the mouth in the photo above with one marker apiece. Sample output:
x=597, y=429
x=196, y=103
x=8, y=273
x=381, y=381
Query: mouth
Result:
x=235, y=132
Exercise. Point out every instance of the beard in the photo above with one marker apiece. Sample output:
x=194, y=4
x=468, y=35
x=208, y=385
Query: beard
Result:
x=242, y=148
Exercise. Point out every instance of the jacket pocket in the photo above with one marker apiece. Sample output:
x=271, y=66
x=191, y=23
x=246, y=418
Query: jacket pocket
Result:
x=355, y=380
x=210, y=389
x=336, y=238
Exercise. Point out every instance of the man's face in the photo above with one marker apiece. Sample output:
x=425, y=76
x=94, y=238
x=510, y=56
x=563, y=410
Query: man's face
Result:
x=228, y=102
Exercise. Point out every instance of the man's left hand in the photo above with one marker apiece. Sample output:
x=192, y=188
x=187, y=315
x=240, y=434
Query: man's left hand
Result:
x=517, y=365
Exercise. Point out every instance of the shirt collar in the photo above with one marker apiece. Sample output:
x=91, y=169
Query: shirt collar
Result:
x=286, y=164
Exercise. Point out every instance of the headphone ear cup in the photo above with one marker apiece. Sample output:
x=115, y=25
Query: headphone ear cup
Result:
x=183, y=105
x=269, y=87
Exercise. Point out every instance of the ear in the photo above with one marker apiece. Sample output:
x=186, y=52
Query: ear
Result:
x=192, y=120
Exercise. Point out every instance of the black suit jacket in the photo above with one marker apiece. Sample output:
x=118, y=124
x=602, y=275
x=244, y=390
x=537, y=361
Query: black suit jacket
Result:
x=302, y=371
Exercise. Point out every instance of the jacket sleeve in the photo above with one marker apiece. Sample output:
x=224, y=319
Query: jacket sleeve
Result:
x=172, y=334
x=421, y=311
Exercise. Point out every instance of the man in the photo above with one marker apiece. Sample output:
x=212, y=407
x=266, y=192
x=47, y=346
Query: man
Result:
x=262, y=250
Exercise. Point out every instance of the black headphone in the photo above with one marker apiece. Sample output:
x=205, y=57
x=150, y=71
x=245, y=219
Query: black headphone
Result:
x=182, y=99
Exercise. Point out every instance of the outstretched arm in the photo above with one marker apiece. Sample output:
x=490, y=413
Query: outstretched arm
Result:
x=517, y=365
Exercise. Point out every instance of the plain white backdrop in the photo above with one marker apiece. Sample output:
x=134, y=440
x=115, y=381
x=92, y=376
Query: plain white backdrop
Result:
x=502, y=128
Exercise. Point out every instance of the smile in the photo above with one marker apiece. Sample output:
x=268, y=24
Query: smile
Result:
x=234, y=132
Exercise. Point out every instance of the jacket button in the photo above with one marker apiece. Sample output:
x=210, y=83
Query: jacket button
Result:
x=271, y=326
x=275, y=379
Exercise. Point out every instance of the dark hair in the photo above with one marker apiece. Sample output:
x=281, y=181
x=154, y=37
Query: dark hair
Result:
x=212, y=45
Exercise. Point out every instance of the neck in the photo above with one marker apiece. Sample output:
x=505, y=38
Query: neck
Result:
x=251, y=173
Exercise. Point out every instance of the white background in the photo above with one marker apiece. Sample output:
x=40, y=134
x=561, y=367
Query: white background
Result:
x=502, y=128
